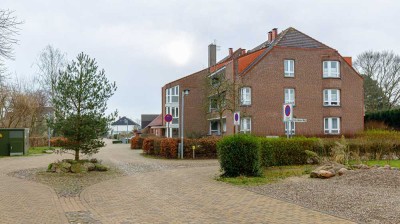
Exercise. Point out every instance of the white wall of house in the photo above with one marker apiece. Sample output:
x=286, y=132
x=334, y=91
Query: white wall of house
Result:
x=117, y=129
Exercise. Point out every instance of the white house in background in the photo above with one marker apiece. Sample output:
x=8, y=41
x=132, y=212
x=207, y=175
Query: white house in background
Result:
x=124, y=125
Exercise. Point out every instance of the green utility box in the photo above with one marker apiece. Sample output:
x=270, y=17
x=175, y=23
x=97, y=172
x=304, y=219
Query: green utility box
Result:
x=14, y=141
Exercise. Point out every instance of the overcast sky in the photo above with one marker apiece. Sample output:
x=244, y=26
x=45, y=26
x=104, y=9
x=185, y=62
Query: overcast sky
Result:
x=143, y=45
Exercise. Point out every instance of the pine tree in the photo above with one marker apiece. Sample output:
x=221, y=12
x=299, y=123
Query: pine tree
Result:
x=80, y=103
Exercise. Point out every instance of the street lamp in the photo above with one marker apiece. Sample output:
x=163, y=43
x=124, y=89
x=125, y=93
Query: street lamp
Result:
x=184, y=93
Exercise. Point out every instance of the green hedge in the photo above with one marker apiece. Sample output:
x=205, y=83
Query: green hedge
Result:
x=390, y=117
x=239, y=155
x=282, y=151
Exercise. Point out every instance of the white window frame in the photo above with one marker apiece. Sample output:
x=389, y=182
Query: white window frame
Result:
x=328, y=125
x=174, y=111
x=218, y=130
x=328, y=99
x=293, y=127
x=328, y=71
x=245, y=125
x=288, y=66
x=245, y=96
x=290, y=95
x=172, y=93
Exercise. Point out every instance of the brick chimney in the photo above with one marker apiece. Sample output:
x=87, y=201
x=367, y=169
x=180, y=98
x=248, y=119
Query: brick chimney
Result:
x=212, y=55
x=230, y=51
x=243, y=51
x=269, y=36
x=274, y=33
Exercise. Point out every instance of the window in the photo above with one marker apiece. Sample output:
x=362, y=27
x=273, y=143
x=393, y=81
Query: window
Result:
x=215, y=127
x=331, y=97
x=331, y=69
x=289, y=96
x=172, y=94
x=245, y=96
x=289, y=68
x=245, y=125
x=213, y=104
x=174, y=111
x=291, y=126
x=332, y=125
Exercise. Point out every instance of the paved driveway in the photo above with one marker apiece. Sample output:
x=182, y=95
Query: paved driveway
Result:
x=154, y=191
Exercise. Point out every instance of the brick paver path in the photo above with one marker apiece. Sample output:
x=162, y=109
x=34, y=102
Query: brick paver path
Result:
x=155, y=191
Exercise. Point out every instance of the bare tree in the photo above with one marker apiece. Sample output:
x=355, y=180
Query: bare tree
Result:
x=49, y=63
x=22, y=106
x=384, y=68
x=221, y=95
x=8, y=32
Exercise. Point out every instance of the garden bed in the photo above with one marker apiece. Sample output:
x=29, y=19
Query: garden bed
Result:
x=365, y=196
x=67, y=184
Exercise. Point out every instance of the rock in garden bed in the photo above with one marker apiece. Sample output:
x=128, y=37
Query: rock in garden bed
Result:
x=73, y=166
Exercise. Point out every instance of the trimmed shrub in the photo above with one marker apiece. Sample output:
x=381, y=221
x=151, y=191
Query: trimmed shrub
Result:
x=283, y=152
x=38, y=141
x=169, y=148
x=239, y=155
x=389, y=117
x=205, y=148
x=137, y=142
x=58, y=142
x=148, y=146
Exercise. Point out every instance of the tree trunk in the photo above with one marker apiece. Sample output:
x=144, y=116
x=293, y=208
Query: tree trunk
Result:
x=76, y=155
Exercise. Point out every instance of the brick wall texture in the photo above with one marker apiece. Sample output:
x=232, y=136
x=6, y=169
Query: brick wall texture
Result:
x=267, y=82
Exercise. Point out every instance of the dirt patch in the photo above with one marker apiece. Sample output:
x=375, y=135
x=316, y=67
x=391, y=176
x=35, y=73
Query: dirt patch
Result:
x=366, y=196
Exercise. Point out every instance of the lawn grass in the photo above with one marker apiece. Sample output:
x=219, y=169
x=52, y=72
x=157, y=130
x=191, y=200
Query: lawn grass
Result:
x=393, y=163
x=38, y=150
x=271, y=175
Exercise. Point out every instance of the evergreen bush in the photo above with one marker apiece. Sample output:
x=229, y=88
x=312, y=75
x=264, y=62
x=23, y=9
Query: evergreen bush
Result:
x=239, y=155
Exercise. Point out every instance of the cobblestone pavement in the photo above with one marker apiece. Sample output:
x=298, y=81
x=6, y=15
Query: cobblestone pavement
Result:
x=154, y=191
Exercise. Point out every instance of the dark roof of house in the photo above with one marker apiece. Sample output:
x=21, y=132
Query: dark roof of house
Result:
x=294, y=38
x=287, y=38
x=156, y=122
x=147, y=118
x=123, y=120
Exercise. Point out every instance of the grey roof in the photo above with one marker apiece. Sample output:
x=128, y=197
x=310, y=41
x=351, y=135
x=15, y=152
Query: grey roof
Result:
x=287, y=38
x=294, y=38
x=147, y=118
x=123, y=120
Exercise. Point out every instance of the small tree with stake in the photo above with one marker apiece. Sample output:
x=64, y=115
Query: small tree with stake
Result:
x=80, y=101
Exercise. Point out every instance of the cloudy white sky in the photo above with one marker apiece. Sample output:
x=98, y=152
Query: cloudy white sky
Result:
x=143, y=45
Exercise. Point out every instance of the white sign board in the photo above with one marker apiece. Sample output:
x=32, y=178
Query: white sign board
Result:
x=299, y=120
x=236, y=118
x=287, y=112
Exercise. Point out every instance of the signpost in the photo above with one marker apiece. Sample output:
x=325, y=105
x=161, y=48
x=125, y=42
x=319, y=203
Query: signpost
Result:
x=288, y=118
x=168, y=118
x=236, y=120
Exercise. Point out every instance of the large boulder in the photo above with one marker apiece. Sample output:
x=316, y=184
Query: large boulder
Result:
x=78, y=168
x=342, y=171
x=325, y=174
x=62, y=167
x=89, y=166
x=331, y=166
x=322, y=174
x=100, y=167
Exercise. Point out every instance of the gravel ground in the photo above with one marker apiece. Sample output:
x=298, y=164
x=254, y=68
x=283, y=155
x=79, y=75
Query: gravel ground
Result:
x=363, y=196
x=67, y=184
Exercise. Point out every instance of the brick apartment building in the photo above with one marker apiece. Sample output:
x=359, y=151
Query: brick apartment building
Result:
x=289, y=67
